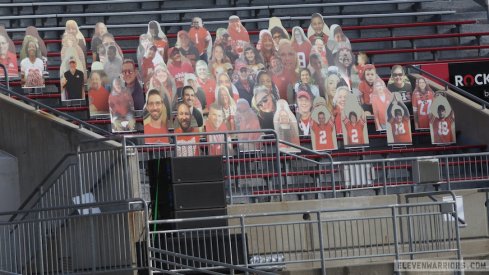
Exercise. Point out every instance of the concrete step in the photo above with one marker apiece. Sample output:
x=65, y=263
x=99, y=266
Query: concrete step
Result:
x=458, y=5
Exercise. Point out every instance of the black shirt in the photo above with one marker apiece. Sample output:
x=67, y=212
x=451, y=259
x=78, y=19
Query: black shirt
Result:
x=74, y=85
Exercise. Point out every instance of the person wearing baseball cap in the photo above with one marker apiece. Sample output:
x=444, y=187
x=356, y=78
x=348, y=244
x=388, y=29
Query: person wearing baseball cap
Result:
x=73, y=82
x=178, y=66
x=304, y=109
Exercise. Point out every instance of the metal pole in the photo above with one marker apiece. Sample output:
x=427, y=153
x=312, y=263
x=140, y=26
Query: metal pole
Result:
x=447, y=169
x=396, y=237
x=243, y=239
x=384, y=173
x=228, y=168
x=457, y=232
x=279, y=170
x=321, y=242
x=41, y=252
x=125, y=169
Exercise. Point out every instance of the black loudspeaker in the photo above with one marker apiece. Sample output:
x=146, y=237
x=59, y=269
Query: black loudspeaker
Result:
x=199, y=195
x=220, y=247
x=187, y=188
x=187, y=169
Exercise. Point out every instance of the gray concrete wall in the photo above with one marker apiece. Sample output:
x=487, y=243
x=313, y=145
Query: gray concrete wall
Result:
x=38, y=141
x=9, y=184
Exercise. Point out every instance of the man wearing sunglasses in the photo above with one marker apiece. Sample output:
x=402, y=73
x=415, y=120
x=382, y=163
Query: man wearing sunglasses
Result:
x=132, y=84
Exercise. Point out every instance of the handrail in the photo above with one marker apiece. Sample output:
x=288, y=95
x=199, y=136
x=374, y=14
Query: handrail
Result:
x=447, y=85
x=193, y=259
x=56, y=3
x=345, y=16
x=52, y=110
x=5, y=73
x=61, y=164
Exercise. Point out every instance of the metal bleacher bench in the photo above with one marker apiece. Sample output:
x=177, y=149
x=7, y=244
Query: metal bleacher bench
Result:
x=203, y=10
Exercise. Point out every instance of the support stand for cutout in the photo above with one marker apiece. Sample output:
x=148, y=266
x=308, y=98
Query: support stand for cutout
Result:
x=34, y=90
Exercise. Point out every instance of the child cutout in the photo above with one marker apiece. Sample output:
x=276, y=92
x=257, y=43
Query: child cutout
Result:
x=246, y=120
x=380, y=99
x=399, y=124
x=285, y=125
x=323, y=130
x=238, y=34
x=366, y=86
x=442, y=120
x=121, y=106
x=301, y=45
x=354, y=124
x=318, y=28
x=277, y=30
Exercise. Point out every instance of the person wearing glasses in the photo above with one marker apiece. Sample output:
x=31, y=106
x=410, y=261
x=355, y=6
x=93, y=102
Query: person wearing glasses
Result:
x=132, y=84
x=400, y=83
x=265, y=105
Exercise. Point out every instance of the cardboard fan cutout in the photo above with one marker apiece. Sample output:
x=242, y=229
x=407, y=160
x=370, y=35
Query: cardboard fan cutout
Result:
x=98, y=95
x=246, y=120
x=160, y=41
x=285, y=73
x=121, y=106
x=225, y=102
x=337, y=38
x=32, y=64
x=238, y=34
x=201, y=38
x=286, y=126
x=32, y=31
x=112, y=62
x=422, y=100
x=277, y=30
x=7, y=54
x=380, y=99
x=155, y=120
x=72, y=77
x=215, y=123
x=399, y=82
x=301, y=45
x=323, y=132
x=265, y=104
x=442, y=120
x=354, y=124
x=304, y=99
x=398, y=122
x=71, y=28
x=318, y=28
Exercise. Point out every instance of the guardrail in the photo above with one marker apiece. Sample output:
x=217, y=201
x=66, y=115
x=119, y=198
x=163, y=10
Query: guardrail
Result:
x=450, y=86
x=273, y=241
x=83, y=238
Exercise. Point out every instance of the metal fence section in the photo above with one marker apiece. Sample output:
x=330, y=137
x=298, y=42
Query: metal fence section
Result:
x=273, y=241
x=256, y=168
x=89, y=238
x=100, y=175
x=259, y=167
